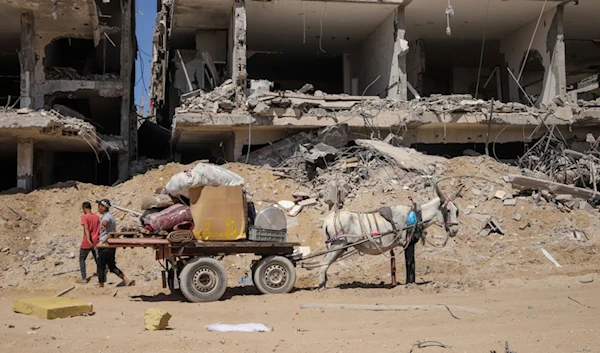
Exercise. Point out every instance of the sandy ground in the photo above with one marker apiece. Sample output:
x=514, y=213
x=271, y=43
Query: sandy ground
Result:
x=533, y=316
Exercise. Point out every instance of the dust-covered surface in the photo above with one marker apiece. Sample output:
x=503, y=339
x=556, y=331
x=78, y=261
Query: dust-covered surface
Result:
x=503, y=273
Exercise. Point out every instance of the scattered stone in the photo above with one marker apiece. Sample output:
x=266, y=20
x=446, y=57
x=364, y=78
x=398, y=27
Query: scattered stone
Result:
x=13, y=284
x=563, y=198
x=492, y=225
x=476, y=192
x=71, y=255
x=510, y=202
x=156, y=319
x=287, y=205
x=261, y=108
x=306, y=88
x=517, y=217
x=20, y=253
x=7, y=249
x=523, y=226
x=295, y=210
x=500, y=194
x=308, y=202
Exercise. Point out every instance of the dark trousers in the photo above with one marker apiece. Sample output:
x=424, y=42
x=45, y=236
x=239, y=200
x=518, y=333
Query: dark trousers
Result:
x=83, y=255
x=106, y=258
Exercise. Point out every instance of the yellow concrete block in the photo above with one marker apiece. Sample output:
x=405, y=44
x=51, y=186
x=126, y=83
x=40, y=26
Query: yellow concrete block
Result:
x=51, y=307
x=156, y=319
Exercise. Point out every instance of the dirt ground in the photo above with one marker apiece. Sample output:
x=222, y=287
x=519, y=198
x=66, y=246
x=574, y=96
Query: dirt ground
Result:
x=525, y=298
x=533, y=316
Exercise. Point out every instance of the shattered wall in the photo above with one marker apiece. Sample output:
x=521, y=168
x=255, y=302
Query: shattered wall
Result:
x=548, y=41
x=374, y=59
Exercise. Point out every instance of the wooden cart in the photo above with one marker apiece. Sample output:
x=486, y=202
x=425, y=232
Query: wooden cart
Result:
x=193, y=267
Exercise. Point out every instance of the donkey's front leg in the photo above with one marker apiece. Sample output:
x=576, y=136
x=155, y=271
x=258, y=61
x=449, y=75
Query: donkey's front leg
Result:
x=336, y=249
x=409, y=259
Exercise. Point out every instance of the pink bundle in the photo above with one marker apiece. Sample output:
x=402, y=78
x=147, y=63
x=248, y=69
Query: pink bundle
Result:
x=168, y=218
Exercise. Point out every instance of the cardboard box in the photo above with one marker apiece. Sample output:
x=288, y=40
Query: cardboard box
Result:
x=219, y=213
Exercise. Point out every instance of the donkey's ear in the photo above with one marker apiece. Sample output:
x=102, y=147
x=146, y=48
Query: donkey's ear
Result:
x=439, y=192
x=457, y=192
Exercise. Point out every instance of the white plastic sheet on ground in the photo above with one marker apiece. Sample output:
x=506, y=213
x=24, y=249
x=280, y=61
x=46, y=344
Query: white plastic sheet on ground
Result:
x=202, y=175
x=250, y=327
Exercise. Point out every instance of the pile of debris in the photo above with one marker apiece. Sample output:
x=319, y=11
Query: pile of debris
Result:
x=465, y=103
x=550, y=162
x=334, y=165
x=262, y=101
x=69, y=73
x=221, y=99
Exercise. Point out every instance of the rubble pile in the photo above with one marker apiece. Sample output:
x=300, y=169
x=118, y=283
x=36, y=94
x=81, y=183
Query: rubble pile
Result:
x=464, y=103
x=334, y=165
x=221, y=99
x=262, y=101
x=589, y=104
x=550, y=161
x=69, y=73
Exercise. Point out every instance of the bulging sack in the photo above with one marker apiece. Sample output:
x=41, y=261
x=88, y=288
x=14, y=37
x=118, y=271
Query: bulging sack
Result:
x=202, y=175
x=168, y=218
x=156, y=201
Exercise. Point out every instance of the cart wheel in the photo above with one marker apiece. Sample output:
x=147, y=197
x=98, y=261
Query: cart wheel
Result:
x=203, y=280
x=274, y=275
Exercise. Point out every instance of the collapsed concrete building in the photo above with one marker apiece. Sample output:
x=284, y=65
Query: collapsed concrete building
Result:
x=231, y=76
x=67, y=91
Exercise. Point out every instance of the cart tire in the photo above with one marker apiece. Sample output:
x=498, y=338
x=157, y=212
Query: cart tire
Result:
x=203, y=280
x=274, y=275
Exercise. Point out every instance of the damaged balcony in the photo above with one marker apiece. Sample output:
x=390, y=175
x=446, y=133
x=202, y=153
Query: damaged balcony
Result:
x=34, y=144
x=398, y=69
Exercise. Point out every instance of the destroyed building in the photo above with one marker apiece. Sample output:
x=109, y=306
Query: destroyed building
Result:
x=237, y=75
x=67, y=92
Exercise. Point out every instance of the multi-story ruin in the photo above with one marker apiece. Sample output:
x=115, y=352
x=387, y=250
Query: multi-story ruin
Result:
x=256, y=72
x=67, y=99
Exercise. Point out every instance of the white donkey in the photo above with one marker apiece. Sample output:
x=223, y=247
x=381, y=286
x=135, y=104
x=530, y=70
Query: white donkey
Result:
x=378, y=232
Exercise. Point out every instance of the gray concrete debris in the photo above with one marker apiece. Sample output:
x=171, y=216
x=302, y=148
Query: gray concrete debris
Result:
x=409, y=158
x=206, y=101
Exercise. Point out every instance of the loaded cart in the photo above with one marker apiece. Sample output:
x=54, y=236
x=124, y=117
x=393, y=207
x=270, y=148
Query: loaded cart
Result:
x=224, y=224
x=195, y=269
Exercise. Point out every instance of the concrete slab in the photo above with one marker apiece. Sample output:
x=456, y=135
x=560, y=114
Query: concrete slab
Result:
x=51, y=307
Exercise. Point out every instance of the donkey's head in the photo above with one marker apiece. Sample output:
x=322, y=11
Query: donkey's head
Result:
x=448, y=212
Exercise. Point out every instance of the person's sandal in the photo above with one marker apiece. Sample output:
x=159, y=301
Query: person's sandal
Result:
x=81, y=281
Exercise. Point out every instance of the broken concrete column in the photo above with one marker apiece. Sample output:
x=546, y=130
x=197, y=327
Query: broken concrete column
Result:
x=548, y=43
x=238, y=49
x=25, y=164
x=398, y=88
x=124, y=166
x=241, y=139
x=27, y=58
x=128, y=116
x=380, y=63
